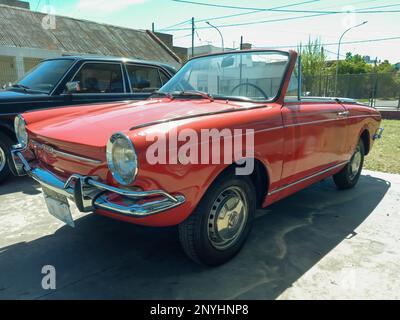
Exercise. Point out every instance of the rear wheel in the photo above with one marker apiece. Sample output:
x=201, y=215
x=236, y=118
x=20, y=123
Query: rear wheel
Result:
x=350, y=174
x=5, y=147
x=219, y=226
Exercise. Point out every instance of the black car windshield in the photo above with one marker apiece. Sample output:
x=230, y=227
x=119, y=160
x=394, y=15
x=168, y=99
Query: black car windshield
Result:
x=45, y=76
x=252, y=75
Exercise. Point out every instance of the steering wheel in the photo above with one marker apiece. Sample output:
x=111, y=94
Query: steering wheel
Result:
x=251, y=85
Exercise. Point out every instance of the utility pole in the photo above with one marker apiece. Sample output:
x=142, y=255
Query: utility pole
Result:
x=152, y=27
x=193, y=31
x=241, y=43
x=338, y=53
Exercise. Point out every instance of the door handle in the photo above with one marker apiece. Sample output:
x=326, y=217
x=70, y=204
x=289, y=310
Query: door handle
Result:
x=343, y=114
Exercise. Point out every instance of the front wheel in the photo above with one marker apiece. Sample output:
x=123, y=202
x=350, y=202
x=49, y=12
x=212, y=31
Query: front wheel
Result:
x=220, y=225
x=350, y=174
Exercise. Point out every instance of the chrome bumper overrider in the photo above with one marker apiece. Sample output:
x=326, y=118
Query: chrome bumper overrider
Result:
x=90, y=194
x=378, y=134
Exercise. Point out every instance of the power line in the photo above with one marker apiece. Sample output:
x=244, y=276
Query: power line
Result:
x=279, y=9
x=283, y=19
x=336, y=43
x=256, y=11
x=184, y=36
x=335, y=53
x=275, y=20
x=236, y=14
x=177, y=24
x=362, y=10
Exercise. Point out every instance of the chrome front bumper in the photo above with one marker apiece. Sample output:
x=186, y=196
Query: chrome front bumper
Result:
x=89, y=194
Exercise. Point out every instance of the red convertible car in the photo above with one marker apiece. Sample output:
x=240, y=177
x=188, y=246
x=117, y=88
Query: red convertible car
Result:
x=229, y=133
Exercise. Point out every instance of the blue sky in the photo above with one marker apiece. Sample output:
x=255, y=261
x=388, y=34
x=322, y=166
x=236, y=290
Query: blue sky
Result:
x=141, y=13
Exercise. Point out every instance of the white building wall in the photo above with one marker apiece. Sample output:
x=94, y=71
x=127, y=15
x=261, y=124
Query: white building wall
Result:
x=15, y=61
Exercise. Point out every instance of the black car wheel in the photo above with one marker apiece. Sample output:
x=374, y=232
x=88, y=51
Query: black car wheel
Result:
x=219, y=226
x=350, y=174
x=5, y=147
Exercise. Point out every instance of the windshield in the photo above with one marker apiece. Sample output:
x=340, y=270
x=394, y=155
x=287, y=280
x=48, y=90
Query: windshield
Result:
x=45, y=75
x=253, y=75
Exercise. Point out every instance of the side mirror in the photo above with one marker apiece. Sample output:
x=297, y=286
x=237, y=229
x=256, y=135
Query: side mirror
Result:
x=73, y=87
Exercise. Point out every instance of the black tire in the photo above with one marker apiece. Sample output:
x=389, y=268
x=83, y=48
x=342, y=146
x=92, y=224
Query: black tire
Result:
x=347, y=178
x=5, y=147
x=194, y=233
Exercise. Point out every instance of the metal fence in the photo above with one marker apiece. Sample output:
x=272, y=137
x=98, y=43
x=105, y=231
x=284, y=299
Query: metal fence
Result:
x=381, y=90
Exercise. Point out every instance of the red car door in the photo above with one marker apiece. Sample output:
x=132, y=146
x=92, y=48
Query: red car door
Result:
x=315, y=135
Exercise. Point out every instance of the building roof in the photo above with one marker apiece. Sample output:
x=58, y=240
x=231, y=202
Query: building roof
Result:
x=23, y=28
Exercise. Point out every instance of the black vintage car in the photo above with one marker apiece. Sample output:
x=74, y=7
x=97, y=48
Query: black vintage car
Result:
x=69, y=81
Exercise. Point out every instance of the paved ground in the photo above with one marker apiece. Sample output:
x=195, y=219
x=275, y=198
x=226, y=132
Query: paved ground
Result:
x=317, y=244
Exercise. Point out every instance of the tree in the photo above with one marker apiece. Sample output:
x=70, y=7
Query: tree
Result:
x=387, y=81
x=353, y=64
x=313, y=63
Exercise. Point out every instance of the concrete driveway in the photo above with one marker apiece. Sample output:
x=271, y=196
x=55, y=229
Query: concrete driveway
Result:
x=318, y=244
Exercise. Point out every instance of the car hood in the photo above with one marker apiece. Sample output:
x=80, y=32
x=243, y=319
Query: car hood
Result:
x=93, y=125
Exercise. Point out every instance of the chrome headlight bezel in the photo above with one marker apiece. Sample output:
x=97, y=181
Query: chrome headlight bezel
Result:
x=20, y=131
x=122, y=179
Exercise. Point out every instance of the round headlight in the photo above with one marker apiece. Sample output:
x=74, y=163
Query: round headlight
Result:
x=20, y=131
x=122, y=159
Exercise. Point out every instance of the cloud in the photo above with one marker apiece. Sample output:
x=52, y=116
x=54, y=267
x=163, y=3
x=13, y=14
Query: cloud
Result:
x=106, y=5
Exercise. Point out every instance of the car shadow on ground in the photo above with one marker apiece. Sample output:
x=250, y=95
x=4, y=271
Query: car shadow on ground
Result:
x=17, y=184
x=107, y=259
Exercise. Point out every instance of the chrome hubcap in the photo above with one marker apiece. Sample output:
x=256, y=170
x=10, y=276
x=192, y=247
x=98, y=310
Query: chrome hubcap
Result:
x=227, y=218
x=355, y=163
x=3, y=159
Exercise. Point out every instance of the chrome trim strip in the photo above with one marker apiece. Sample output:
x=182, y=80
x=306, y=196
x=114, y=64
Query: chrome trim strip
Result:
x=136, y=210
x=313, y=122
x=69, y=155
x=128, y=193
x=50, y=149
x=307, y=178
x=270, y=129
x=363, y=116
x=343, y=117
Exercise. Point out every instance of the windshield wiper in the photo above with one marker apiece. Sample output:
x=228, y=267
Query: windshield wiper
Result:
x=234, y=98
x=192, y=93
x=20, y=86
x=158, y=94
